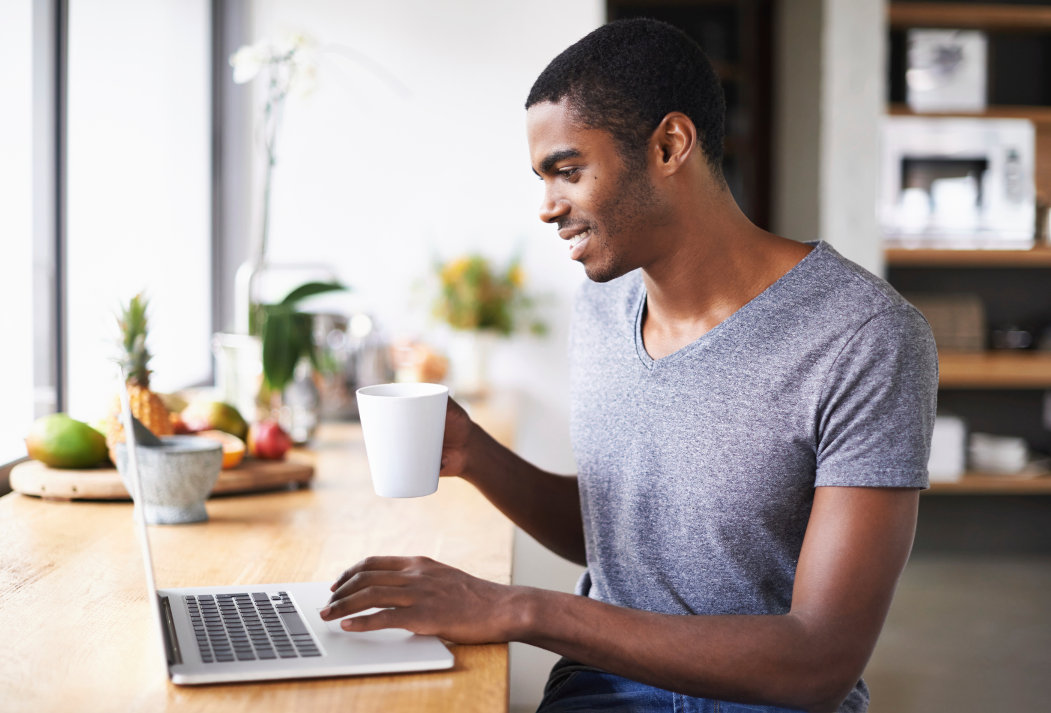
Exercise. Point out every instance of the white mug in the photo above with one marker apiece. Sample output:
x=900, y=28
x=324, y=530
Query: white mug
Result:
x=403, y=425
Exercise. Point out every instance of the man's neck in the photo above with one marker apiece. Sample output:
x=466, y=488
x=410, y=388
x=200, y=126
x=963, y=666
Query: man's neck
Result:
x=707, y=276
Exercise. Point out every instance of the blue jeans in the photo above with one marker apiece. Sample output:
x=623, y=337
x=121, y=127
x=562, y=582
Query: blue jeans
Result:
x=573, y=688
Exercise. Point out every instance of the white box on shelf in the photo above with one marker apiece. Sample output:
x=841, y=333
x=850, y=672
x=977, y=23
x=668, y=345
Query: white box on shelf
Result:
x=948, y=450
x=946, y=70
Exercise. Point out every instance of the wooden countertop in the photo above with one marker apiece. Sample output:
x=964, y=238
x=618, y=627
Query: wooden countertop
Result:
x=70, y=571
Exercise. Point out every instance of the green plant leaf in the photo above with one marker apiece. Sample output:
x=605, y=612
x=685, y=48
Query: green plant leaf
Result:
x=287, y=335
x=309, y=289
x=279, y=357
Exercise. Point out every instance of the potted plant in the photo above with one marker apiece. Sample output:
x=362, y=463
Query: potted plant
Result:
x=481, y=304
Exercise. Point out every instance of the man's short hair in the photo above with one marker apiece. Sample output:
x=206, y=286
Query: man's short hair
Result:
x=626, y=76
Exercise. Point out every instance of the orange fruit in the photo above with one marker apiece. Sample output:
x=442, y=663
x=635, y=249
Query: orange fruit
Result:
x=233, y=447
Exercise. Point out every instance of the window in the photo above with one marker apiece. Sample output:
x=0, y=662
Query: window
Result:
x=16, y=226
x=139, y=191
x=114, y=201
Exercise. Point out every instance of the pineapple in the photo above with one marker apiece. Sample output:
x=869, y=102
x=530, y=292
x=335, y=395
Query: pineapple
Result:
x=145, y=404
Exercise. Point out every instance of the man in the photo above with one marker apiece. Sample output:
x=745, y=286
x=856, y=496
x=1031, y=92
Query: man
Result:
x=751, y=418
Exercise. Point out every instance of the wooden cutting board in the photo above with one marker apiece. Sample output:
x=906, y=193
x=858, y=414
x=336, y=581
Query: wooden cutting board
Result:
x=252, y=475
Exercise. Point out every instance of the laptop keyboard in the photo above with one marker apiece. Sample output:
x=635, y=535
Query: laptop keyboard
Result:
x=249, y=627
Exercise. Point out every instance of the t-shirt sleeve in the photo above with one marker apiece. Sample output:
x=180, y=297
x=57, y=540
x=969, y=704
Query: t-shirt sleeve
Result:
x=877, y=409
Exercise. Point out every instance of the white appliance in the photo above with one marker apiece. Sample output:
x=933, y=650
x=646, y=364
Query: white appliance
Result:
x=958, y=182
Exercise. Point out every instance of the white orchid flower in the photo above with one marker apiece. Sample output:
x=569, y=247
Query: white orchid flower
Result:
x=248, y=61
x=294, y=42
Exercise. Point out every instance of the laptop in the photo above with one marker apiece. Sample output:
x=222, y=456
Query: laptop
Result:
x=261, y=632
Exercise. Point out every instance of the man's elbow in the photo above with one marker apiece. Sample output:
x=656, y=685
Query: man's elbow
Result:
x=826, y=684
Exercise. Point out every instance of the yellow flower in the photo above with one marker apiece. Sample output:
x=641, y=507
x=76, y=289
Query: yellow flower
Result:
x=516, y=276
x=473, y=295
x=453, y=271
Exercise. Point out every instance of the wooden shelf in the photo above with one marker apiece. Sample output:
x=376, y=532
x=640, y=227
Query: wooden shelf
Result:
x=1039, y=256
x=980, y=483
x=1036, y=114
x=994, y=370
x=1002, y=18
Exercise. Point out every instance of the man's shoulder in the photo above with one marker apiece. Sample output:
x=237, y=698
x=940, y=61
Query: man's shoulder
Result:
x=845, y=290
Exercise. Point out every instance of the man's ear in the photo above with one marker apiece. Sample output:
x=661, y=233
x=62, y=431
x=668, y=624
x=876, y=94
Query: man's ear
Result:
x=673, y=142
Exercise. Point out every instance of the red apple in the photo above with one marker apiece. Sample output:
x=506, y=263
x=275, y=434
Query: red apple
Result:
x=267, y=440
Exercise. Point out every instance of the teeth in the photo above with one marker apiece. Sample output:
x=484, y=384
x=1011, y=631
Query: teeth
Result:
x=578, y=239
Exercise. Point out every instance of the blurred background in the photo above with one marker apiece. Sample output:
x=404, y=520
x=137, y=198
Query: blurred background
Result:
x=132, y=161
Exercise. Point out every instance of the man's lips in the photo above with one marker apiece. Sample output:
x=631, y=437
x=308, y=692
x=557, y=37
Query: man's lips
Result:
x=574, y=233
x=578, y=238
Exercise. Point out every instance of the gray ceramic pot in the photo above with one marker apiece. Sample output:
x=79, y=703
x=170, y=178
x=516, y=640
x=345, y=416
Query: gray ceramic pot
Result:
x=176, y=477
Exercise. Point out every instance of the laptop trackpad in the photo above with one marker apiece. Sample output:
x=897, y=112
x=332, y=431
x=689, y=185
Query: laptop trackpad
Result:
x=334, y=626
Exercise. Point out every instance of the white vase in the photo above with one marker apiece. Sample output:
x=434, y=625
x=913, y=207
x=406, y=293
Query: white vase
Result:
x=469, y=354
x=239, y=372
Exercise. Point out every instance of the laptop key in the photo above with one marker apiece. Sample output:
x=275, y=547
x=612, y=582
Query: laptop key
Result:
x=294, y=623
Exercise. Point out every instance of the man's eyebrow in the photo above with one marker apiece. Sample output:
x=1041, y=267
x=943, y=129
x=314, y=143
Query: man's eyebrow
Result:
x=554, y=157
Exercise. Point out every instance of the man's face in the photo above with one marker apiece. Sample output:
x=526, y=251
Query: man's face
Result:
x=602, y=207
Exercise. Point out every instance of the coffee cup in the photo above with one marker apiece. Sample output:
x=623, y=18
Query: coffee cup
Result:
x=403, y=425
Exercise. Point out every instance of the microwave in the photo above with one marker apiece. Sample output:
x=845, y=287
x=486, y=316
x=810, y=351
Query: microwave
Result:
x=958, y=182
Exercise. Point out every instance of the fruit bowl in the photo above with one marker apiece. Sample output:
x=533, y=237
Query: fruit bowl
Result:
x=176, y=477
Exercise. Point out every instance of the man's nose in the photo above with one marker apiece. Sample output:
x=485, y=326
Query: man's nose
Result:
x=552, y=208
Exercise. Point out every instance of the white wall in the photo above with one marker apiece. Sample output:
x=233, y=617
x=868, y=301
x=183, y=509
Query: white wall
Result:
x=829, y=77
x=796, y=209
x=377, y=182
x=853, y=100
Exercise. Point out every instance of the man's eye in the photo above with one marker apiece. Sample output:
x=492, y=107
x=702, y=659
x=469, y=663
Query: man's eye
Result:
x=569, y=173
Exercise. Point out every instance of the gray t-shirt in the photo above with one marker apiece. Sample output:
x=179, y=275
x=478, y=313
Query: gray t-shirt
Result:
x=697, y=471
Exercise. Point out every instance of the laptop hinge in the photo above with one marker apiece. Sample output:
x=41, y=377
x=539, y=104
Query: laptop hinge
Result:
x=171, y=641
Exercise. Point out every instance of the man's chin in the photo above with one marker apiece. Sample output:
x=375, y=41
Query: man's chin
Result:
x=602, y=273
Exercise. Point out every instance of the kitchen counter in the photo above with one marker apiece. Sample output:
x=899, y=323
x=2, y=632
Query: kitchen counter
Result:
x=78, y=634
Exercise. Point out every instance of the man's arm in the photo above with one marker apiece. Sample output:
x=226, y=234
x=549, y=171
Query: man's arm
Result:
x=856, y=545
x=545, y=505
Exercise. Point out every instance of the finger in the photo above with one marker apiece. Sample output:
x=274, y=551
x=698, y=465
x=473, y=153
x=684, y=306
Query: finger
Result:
x=450, y=465
x=362, y=580
x=379, y=597
x=369, y=564
x=384, y=619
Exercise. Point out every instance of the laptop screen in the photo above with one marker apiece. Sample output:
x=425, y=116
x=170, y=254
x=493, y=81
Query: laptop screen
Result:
x=138, y=515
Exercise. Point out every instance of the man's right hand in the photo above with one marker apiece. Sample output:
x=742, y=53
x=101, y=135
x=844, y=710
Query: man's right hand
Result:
x=545, y=505
x=458, y=427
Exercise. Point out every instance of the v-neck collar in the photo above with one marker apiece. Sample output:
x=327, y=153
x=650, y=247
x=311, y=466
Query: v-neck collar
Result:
x=739, y=314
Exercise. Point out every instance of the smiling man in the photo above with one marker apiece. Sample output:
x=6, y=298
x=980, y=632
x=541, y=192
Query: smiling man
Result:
x=751, y=418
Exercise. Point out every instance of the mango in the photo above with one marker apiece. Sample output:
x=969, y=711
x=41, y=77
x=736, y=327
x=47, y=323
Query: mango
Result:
x=63, y=442
x=204, y=415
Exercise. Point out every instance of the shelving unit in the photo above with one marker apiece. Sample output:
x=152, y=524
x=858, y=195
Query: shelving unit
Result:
x=1002, y=389
x=971, y=16
x=983, y=484
x=903, y=257
x=995, y=370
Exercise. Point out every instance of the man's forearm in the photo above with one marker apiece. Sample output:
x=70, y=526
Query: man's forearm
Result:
x=774, y=660
x=545, y=505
